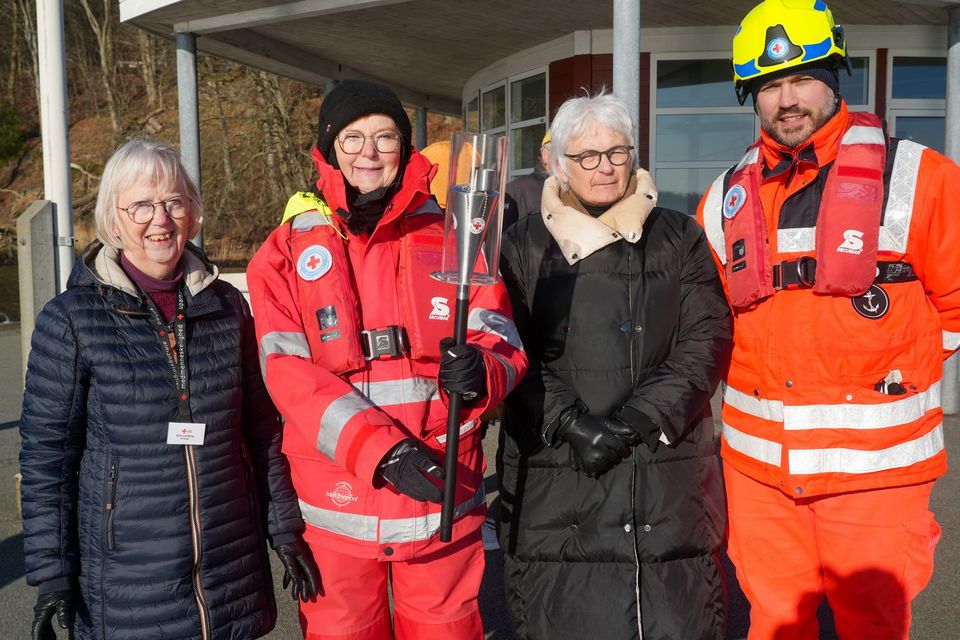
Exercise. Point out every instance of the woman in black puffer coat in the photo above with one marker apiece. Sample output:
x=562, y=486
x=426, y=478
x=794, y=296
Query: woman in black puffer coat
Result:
x=612, y=509
x=139, y=523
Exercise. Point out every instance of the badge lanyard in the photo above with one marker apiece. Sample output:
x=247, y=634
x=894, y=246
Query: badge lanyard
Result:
x=173, y=339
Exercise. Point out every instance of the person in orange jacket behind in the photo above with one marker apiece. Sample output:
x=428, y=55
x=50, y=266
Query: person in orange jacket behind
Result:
x=838, y=250
x=350, y=325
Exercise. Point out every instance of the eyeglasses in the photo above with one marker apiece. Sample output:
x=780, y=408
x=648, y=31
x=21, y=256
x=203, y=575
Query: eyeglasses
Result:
x=384, y=142
x=142, y=212
x=590, y=159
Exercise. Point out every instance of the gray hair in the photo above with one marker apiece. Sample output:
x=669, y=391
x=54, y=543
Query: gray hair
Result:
x=576, y=116
x=142, y=160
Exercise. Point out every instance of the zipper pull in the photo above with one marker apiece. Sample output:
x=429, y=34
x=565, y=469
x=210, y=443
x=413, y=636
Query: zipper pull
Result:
x=111, y=485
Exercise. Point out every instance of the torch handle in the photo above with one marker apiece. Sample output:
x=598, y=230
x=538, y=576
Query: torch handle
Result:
x=461, y=313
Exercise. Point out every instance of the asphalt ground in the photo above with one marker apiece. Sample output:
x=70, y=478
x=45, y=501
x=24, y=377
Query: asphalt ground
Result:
x=936, y=613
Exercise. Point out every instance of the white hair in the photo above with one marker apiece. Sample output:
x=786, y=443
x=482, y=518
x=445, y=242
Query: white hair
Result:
x=576, y=116
x=142, y=161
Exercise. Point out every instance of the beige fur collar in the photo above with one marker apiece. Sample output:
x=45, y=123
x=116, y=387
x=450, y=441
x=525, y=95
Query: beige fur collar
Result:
x=105, y=265
x=579, y=234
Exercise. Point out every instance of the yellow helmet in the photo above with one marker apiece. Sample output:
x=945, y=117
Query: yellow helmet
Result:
x=781, y=34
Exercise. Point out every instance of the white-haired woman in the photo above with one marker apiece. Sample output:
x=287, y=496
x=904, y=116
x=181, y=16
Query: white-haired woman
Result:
x=151, y=461
x=612, y=511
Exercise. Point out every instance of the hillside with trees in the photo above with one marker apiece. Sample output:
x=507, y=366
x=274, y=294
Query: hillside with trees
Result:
x=256, y=128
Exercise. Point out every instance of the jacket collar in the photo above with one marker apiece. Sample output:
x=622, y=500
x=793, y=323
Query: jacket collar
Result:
x=579, y=234
x=101, y=264
x=821, y=147
x=414, y=186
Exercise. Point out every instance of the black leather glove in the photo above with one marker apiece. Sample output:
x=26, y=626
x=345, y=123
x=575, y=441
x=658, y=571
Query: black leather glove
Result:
x=644, y=429
x=462, y=370
x=630, y=436
x=594, y=450
x=299, y=569
x=406, y=468
x=59, y=602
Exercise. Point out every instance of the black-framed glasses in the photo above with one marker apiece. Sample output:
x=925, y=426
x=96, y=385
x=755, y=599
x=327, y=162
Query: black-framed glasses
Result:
x=590, y=159
x=384, y=142
x=142, y=211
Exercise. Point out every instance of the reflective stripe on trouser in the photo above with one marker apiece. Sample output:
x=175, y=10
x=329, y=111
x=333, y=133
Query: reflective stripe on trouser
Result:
x=870, y=553
x=435, y=596
x=364, y=528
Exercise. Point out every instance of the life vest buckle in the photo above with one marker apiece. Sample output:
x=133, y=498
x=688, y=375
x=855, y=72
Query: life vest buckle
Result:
x=389, y=341
x=795, y=274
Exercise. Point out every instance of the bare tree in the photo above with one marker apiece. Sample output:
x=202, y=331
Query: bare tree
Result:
x=102, y=27
x=149, y=67
x=28, y=19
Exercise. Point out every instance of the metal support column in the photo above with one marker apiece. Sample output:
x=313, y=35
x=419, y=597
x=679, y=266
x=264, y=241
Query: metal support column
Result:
x=626, y=56
x=189, y=109
x=421, y=134
x=950, y=394
x=55, y=130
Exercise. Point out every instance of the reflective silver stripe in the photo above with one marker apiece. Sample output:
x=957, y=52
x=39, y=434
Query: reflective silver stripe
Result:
x=508, y=369
x=752, y=446
x=756, y=407
x=335, y=418
x=287, y=343
x=903, y=186
x=862, y=416
x=863, y=135
x=495, y=323
x=465, y=427
x=951, y=341
x=401, y=391
x=749, y=157
x=796, y=240
x=352, y=525
x=808, y=461
x=309, y=220
x=837, y=416
x=424, y=527
x=713, y=218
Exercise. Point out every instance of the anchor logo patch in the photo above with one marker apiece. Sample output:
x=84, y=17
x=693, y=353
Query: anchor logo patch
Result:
x=872, y=305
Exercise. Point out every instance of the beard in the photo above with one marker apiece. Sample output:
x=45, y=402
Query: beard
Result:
x=792, y=136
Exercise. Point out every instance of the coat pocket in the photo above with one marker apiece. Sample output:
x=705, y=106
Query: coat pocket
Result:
x=110, y=503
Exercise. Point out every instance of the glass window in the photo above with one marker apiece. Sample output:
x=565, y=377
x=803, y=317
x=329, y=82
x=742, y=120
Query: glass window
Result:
x=494, y=108
x=528, y=98
x=703, y=137
x=681, y=189
x=926, y=130
x=919, y=78
x=525, y=146
x=854, y=88
x=695, y=83
x=471, y=120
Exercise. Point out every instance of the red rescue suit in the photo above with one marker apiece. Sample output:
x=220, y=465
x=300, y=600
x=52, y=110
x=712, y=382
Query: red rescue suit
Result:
x=318, y=295
x=831, y=394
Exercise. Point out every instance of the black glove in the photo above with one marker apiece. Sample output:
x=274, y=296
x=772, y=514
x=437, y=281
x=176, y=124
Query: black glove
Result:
x=644, y=429
x=299, y=569
x=59, y=602
x=462, y=370
x=594, y=450
x=406, y=468
x=630, y=436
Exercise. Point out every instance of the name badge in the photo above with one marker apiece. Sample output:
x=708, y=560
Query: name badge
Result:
x=184, y=433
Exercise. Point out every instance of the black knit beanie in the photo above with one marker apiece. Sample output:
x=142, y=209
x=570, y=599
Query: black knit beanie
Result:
x=826, y=71
x=352, y=99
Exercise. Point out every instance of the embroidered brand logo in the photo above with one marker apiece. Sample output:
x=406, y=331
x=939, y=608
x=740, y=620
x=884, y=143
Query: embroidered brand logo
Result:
x=872, y=305
x=342, y=494
x=852, y=242
x=441, y=309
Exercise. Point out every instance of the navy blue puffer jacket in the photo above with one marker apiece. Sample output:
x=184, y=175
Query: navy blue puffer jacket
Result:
x=180, y=551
